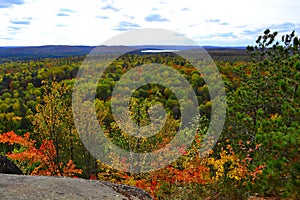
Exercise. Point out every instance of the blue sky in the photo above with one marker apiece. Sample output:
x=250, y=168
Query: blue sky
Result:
x=91, y=22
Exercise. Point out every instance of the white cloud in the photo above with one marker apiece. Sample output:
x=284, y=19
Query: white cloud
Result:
x=90, y=22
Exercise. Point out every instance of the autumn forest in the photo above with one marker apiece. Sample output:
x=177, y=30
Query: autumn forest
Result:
x=256, y=155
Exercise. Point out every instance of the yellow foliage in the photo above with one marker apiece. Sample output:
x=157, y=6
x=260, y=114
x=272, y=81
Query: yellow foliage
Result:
x=236, y=170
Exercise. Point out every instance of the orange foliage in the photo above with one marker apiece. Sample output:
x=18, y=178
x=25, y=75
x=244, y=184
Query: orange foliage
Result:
x=193, y=172
x=43, y=157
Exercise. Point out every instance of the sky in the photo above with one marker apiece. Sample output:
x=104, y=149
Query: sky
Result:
x=92, y=22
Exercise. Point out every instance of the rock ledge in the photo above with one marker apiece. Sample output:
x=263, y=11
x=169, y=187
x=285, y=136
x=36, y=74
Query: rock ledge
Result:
x=42, y=187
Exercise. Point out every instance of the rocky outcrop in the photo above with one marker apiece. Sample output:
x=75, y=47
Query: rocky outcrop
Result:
x=8, y=167
x=41, y=187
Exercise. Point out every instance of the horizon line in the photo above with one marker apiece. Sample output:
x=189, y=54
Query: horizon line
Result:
x=66, y=45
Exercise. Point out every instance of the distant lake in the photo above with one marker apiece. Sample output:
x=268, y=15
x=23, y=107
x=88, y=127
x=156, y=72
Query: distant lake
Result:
x=157, y=50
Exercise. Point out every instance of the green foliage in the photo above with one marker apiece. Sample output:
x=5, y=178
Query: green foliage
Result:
x=257, y=153
x=268, y=48
x=264, y=109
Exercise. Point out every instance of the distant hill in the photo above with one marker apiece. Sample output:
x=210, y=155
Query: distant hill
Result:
x=57, y=51
x=26, y=53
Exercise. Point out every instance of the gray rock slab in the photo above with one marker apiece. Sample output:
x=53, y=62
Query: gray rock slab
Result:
x=44, y=187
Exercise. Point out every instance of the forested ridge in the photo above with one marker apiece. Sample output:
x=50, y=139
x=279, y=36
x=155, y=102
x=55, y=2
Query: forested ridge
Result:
x=257, y=153
x=8, y=54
